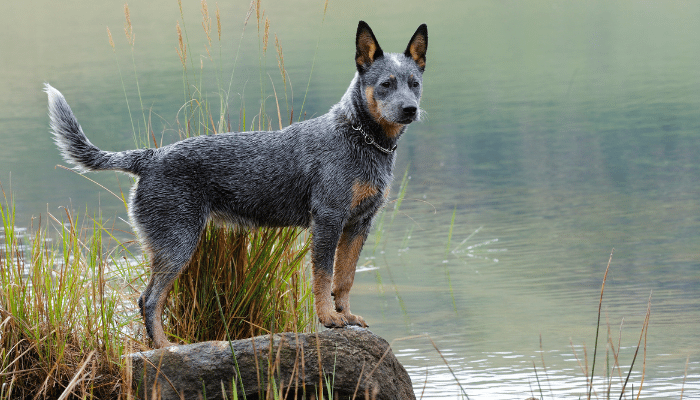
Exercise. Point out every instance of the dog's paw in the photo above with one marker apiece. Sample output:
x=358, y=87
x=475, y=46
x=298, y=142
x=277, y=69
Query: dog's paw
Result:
x=356, y=320
x=333, y=320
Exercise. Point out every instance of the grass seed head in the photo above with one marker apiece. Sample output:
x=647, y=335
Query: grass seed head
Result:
x=128, y=28
x=182, y=50
x=111, y=42
x=266, y=34
x=218, y=21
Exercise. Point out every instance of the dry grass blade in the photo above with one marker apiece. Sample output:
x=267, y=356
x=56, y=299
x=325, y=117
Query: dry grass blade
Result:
x=685, y=375
x=388, y=349
x=279, y=114
x=78, y=376
x=616, y=355
x=449, y=368
x=537, y=377
x=362, y=371
x=91, y=180
x=583, y=370
x=257, y=366
x=320, y=368
x=425, y=384
x=645, y=326
x=597, y=329
x=546, y=375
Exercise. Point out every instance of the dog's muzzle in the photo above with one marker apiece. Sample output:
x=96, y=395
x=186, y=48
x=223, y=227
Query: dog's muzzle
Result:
x=408, y=115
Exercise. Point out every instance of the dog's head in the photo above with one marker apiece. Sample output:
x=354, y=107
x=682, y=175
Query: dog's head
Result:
x=393, y=82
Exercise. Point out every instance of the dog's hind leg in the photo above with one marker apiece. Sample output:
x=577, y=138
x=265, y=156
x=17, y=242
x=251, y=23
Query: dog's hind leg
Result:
x=152, y=300
x=170, y=254
x=346, y=256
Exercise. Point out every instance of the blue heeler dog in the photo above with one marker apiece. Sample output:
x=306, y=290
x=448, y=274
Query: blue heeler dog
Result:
x=331, y=173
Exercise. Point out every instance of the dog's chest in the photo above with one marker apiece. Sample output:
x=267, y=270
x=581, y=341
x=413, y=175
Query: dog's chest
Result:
x=369, y=191
x=363, y=192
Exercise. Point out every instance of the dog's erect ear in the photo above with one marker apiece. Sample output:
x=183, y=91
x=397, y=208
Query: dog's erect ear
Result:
x=418, y=46
x=367, y=46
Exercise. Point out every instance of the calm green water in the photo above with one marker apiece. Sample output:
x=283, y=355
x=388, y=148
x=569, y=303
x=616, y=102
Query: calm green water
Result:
x=555, y=131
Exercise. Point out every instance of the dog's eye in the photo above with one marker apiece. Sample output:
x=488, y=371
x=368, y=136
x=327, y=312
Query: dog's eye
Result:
x=386, y=84
x=415, y=84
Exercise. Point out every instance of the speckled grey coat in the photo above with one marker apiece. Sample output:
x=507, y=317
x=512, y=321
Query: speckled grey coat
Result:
x=331, y=173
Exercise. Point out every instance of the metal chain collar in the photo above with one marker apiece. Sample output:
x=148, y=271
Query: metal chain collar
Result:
x=370, y=140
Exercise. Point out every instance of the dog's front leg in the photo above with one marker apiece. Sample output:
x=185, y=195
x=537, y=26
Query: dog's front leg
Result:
x=346, y=256
x=326, y=233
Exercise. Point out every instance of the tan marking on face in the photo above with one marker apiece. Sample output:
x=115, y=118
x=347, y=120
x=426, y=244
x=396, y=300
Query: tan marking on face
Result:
x=361, y=191
x=372, y=104
x=391, y=129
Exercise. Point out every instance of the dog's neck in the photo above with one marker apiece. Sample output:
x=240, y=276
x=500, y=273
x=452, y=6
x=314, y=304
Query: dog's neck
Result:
x=352, y=111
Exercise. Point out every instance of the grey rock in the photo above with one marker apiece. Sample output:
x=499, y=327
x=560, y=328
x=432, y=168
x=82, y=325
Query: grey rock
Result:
x=354, y=361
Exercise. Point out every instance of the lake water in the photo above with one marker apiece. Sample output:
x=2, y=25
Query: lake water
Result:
x=555, y=132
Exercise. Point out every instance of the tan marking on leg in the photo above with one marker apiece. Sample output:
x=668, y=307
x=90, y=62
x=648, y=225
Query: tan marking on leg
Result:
x=159, y=338
x=391, y=129
x=346, y=257
x=361, y=191
x=323, y=301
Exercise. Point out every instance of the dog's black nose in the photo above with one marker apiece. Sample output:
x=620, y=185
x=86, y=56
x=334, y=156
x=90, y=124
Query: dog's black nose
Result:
x=410, y=111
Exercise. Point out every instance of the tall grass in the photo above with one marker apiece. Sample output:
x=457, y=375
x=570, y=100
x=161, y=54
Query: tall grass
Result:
x=254, y=278
x=64, y=306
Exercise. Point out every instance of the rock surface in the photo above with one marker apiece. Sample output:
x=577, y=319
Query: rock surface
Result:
x=354, y=361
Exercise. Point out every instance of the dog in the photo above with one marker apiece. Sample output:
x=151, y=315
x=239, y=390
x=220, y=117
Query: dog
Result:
x=331, y=174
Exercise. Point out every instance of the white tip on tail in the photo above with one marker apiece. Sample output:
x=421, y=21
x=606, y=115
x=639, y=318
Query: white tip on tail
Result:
x=65, y=129
x=53, y=93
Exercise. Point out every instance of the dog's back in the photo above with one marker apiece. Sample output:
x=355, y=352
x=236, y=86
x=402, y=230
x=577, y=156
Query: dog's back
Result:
x=248, y=178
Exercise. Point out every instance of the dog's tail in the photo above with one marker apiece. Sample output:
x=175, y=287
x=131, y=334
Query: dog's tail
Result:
x=77, y=149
